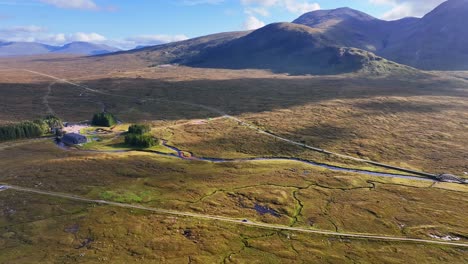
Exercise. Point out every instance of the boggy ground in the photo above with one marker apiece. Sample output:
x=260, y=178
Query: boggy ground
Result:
x=418, y=123
x=37, y=229
x=302, y=196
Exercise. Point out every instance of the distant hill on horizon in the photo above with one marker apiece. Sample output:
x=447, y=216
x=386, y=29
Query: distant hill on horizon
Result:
x=12, y=49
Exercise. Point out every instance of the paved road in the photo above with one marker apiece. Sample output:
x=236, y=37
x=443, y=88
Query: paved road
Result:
x=235, y=220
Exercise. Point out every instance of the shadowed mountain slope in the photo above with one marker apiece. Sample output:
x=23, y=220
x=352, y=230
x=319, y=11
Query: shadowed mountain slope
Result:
x=438, y=41
x=292, y=48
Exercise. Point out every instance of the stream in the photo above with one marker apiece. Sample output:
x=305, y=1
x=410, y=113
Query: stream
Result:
x=182, y=155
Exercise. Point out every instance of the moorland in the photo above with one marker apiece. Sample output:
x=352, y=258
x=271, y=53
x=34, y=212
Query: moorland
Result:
x=416, y=121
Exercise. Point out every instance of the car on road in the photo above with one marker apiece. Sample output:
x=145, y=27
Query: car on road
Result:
x=3, y=187
x=245, y=221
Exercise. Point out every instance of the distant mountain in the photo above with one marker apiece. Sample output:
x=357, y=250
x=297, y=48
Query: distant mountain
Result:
x=280, y=47
x=331, y=41
x=140, y=47
x=438, y=41
x=23, y=48
x=291, y=48
x=85, y=48
x=33, y=48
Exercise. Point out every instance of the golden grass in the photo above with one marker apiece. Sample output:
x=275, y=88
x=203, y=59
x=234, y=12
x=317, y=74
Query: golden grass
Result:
x=418, y=123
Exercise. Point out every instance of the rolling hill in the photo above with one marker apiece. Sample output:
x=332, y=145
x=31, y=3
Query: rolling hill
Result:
x=183, y=51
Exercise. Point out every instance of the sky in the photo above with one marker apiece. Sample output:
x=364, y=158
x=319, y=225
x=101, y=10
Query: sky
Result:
x=130, y=23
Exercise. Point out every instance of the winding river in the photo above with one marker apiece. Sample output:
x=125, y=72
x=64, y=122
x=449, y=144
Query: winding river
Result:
x=183, y=155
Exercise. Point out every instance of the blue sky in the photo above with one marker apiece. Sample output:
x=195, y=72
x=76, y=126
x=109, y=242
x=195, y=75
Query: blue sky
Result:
x=143, y=22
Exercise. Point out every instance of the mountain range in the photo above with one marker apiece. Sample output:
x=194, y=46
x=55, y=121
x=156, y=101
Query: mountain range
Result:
x=332, y=41
x=33, y=48
x=335, y=41
x=437, y=41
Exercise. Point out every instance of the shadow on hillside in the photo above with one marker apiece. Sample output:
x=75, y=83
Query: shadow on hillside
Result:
x=138, y=99
x=238, y=96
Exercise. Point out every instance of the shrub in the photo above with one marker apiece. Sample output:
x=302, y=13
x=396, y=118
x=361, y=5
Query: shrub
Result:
x=139, y=129
x=141, y=141
x=104, y=119
x=53, y=122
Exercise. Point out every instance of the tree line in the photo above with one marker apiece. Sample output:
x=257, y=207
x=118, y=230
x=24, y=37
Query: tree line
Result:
x=29, y=129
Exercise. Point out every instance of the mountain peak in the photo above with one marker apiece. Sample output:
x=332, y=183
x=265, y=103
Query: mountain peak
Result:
x=450, y=8
x=322, y=18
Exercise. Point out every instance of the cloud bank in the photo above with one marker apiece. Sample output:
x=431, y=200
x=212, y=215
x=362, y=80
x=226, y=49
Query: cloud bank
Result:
x=33, y=33
x=255, y=8
x=406, y=8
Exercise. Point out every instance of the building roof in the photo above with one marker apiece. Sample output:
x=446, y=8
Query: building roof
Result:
x=74, y=139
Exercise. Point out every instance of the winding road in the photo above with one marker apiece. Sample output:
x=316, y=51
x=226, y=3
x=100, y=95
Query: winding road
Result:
x=251, y=126
x=235, y=220
x=243, y=221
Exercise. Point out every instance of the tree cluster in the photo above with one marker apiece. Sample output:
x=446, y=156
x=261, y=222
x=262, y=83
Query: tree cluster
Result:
x=27, y=129
x=104, y=119
x=139, y=129
x=53, y=122
x=139, y=136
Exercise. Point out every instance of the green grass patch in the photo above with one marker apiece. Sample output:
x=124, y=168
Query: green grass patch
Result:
x=126, y=196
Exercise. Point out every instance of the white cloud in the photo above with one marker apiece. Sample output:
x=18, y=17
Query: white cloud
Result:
x=293, y=6
x=252, y=23
x=21, y=33
x=86, y=37
x=155, y=39
x=262, y=11
x=300, y=7
x=201, y=2
x=254, y=8
x=73, y=4
x=33, y=33
x=405, y=8
x=23, y=29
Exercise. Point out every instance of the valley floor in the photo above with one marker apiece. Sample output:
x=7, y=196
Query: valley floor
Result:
x=418, y=123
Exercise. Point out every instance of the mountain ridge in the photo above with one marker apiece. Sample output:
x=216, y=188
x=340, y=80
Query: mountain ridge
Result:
x=14, y=49
x=437, y=41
